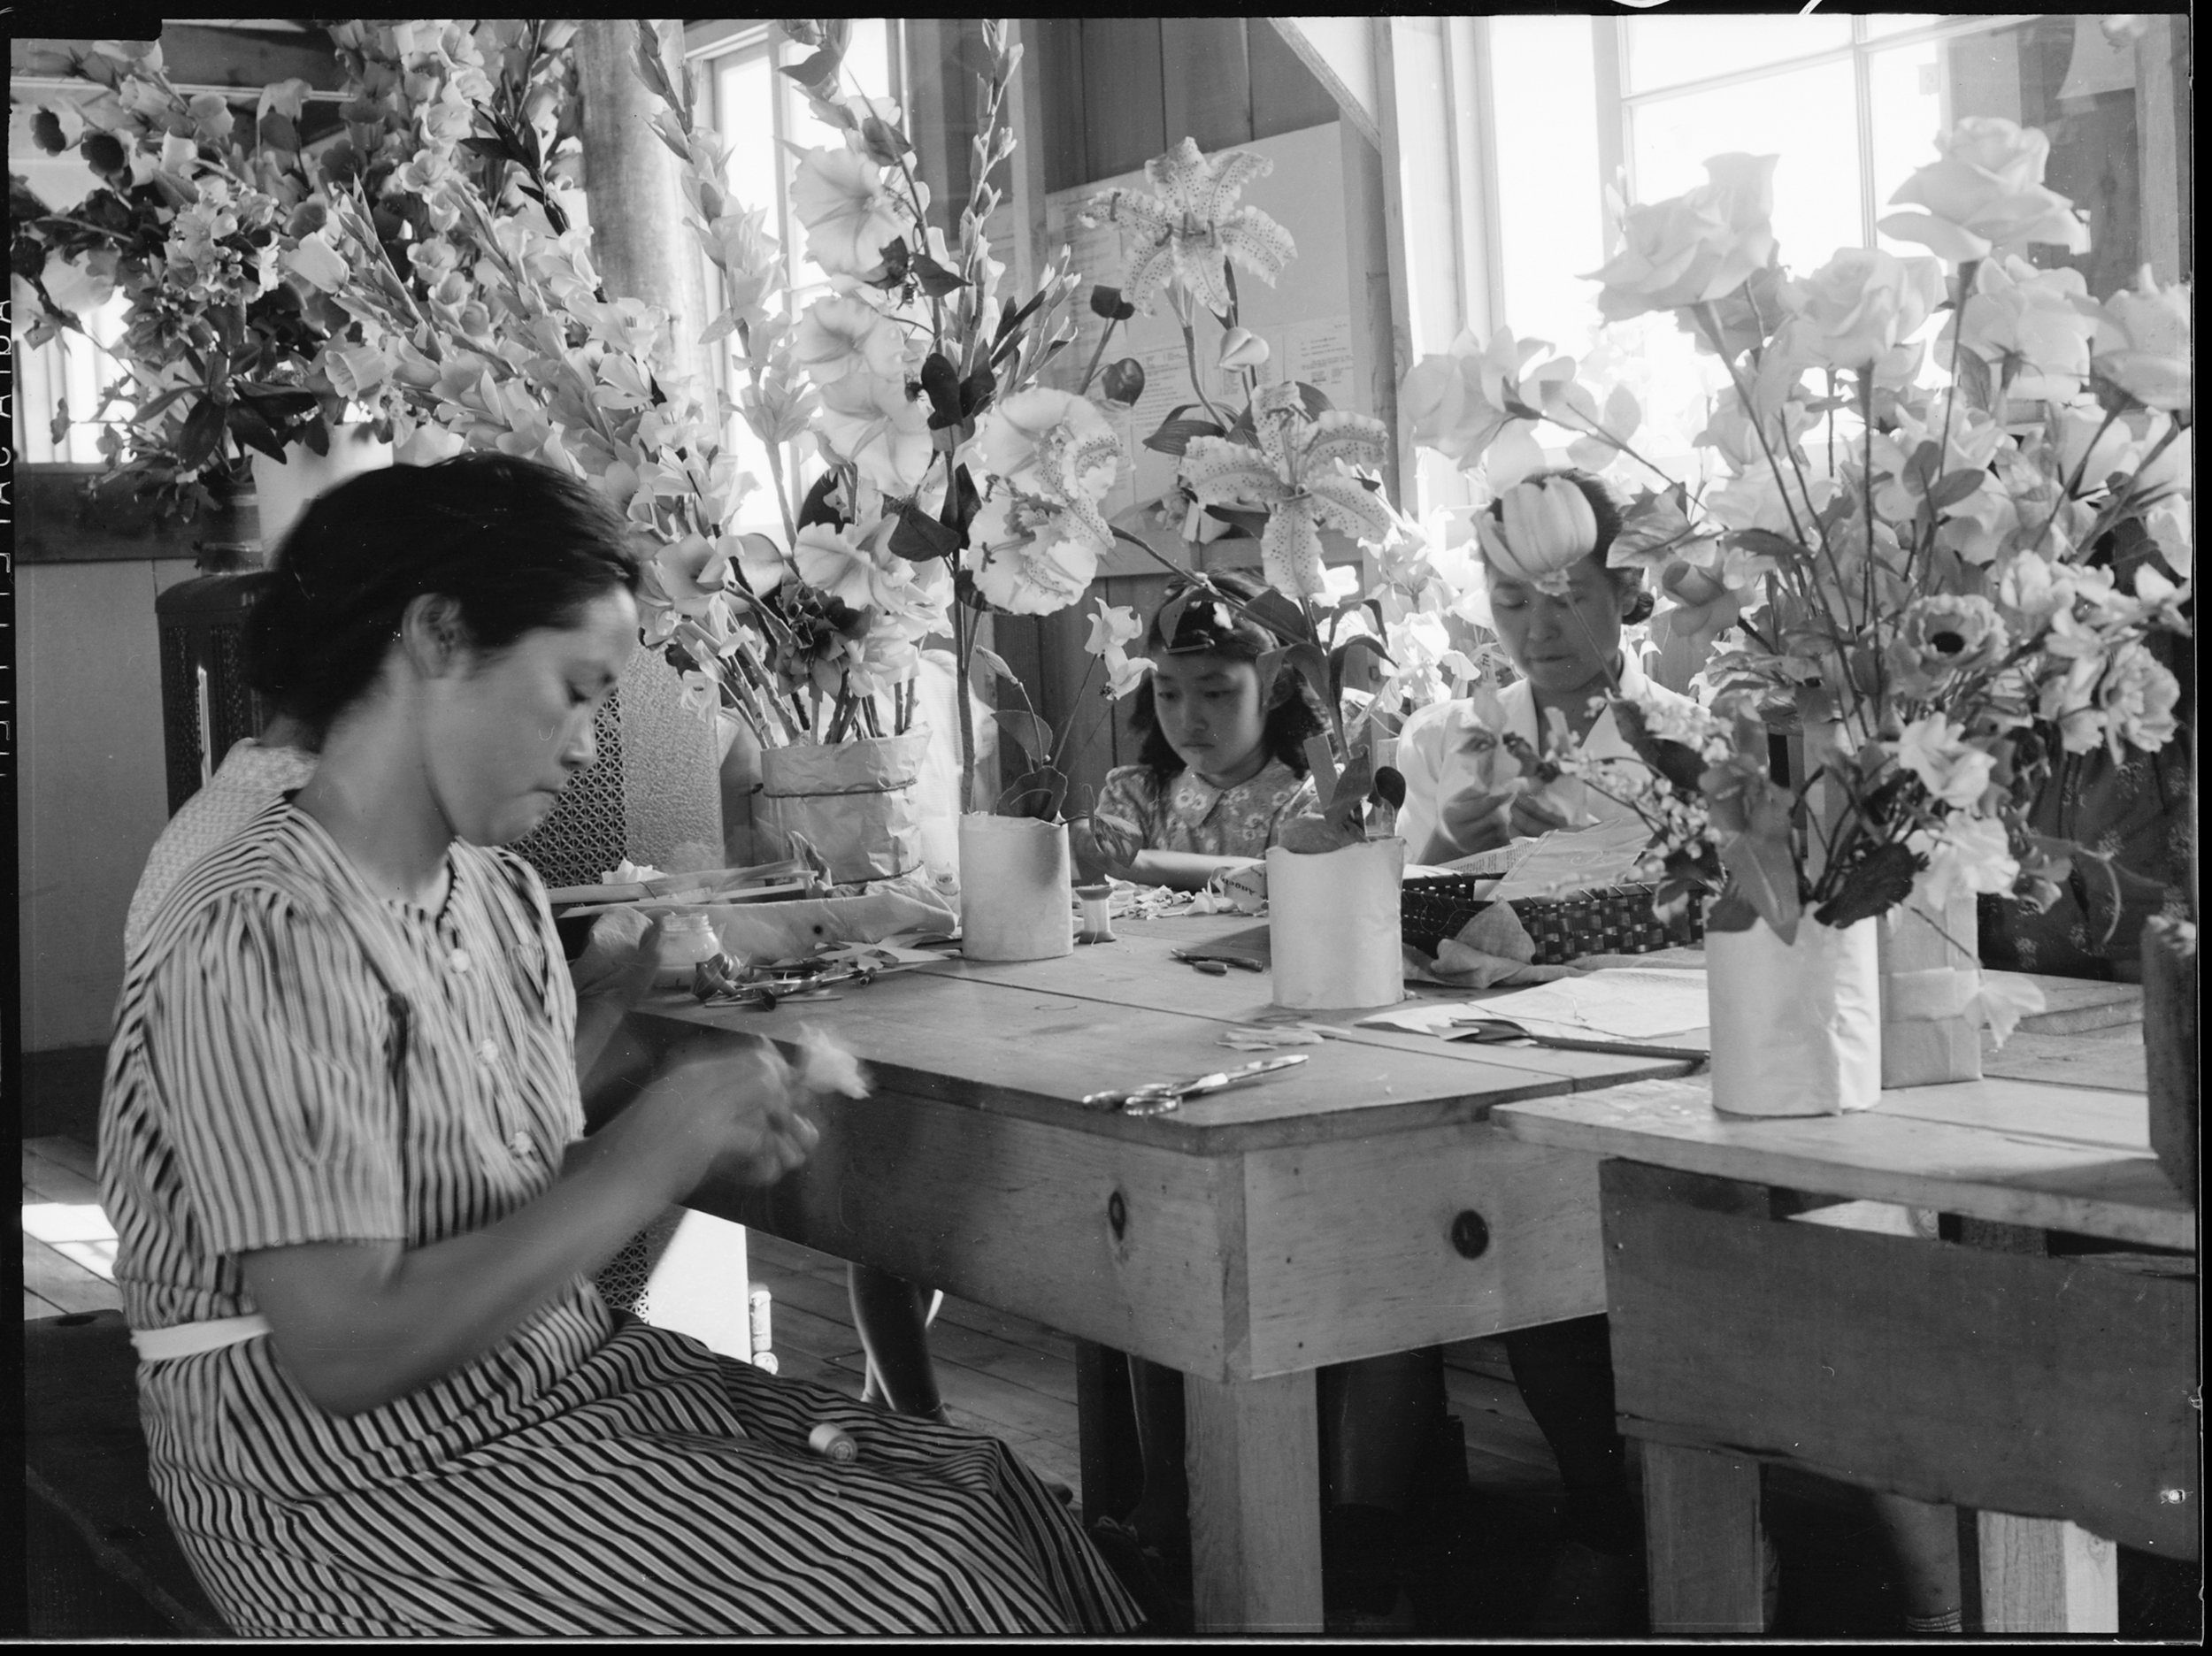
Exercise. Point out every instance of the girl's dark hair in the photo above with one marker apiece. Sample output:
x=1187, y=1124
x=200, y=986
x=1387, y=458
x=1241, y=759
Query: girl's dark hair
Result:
x=518, y=545
x=1605, y=506
x=1216, y=628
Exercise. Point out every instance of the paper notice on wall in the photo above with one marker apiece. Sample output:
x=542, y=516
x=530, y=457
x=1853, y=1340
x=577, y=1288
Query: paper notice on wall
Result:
x=1319, y=353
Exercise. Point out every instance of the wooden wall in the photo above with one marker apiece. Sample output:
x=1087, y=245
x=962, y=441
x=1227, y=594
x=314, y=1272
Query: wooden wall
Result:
x=1112, y=93
x=1117, y=91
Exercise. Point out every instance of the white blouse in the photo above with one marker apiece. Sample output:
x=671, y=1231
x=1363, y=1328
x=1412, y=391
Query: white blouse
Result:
x=1429, y=745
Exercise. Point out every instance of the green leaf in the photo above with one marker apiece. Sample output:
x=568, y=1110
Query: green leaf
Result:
x=1315, y=399
x=1760, y=867
x=1322, y=764
x=941, y=381
x=1026, y=732
x=202, y=431
x=1954, y=487
x=918, y=537
x=1973, y=379
x=1174, y=435
x=1879, y=884
x=1767, y=542
x=936, y=280
x=1339, y=660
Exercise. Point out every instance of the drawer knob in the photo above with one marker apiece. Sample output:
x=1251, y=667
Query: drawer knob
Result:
x=1471, y=1234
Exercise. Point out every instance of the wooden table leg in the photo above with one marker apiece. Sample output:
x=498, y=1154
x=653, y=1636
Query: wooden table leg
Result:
x=1255, y=1504
x=2046, y=1576
x=1702, y=1533
x=1113, y=1469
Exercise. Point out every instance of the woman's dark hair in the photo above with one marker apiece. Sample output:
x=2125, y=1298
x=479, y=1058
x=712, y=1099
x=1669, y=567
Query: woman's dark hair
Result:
x=1605, y=506
x=1209, y=626
x=518, y=545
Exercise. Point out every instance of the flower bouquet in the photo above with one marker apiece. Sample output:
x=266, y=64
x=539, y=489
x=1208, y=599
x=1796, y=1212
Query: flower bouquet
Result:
x=209, y=222
x=1931, y=569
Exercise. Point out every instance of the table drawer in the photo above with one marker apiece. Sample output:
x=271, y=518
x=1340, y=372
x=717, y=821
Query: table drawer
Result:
x=2046, y=1388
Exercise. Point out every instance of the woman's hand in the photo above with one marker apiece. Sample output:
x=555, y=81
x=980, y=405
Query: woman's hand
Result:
x=732, y=1114
x=1530, y=818
x=1473, y=821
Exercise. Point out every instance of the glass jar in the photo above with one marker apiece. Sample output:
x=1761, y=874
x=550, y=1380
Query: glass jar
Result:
x=687, y=939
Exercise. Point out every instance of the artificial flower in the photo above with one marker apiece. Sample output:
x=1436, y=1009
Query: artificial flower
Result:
x=1944, y=633
x=1114, y=627
x=1695, y=247
x=871, y=421
x=1463, y=403
x=1187, y=232
x=1055, y=446
x=2028, y=325
x=1298, y=475
x=2142, y=343
x=1964, y=854
x=850, y=210
x=840, y=335
x=1542, y=530
x=1860, y=306
x=1952, y=769
x=1987, y=194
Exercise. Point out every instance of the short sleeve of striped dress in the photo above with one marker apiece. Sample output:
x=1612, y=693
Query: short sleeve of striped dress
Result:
x=271, y=1039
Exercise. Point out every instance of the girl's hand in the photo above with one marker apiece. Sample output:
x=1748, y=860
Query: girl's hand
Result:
x=733, y=1113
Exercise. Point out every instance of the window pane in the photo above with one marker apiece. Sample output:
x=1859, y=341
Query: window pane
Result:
x=868, y=70
x=1807, y=115
x=2059, y=74
x=1550, y=206
x=747, y=121
x=1670, y=50
x=1904, y=22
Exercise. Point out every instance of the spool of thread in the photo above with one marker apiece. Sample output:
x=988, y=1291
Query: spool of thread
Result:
x=1098, y=920
x=765, y=1362
x=831, y=1442
x=756, y=1304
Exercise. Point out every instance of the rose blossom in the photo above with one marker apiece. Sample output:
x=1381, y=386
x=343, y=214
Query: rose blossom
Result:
x=1987, y=194
x=2137, y=696
x=2143, y=343
x=2034, y=318
x=1699, y=246
x=1860, y=305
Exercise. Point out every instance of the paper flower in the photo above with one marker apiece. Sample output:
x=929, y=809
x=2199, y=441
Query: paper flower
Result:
x=1544, y=529
x=1188, y=230
x=1987, y=194
x=1113, y=629
x=1695, y=247
x=1299, y=476
x=850, y=210
x=2142, y=343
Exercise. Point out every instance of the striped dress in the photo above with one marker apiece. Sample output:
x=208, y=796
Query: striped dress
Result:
x=299, y=1060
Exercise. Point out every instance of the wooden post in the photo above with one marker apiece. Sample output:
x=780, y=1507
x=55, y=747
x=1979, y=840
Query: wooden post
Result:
x=2046, y=1576
x=1702, y=1530
x=1255, y=1504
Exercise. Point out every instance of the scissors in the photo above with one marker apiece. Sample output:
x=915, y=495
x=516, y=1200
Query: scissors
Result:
x=1486, y=1030
x=1160, y=1097
x=1216, y=965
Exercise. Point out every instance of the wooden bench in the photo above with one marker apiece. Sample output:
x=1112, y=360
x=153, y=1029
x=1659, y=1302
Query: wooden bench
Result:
x=100, y=1560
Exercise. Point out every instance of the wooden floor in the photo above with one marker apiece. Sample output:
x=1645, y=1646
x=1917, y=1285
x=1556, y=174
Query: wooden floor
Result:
x=1016, y=1380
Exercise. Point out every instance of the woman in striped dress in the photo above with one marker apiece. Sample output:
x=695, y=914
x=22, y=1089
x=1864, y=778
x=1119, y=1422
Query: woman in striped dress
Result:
x=340, y=1145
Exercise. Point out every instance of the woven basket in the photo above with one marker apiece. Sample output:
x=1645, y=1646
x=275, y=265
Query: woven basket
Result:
x=1618, y=920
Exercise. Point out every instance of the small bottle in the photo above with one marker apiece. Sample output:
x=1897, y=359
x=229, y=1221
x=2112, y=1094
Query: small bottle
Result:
x=686, y=940
x=831, y=1444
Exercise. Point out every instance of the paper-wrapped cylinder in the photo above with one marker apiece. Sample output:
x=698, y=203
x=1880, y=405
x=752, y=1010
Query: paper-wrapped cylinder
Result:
x=1015, y=903
x=1797, y=1027
x=1333, y=925
x=853, y=801
x=1931, y=1024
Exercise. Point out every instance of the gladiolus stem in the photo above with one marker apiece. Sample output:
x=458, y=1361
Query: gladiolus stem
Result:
x=1091, y=373
x=2074, y=482
x=1190, y=355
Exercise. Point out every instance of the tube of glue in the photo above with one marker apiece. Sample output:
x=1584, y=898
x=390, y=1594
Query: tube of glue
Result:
x=831, y=1444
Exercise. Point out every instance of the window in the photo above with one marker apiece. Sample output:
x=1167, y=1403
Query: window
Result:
x=757, y=111
x=1851, y=105
x=70, y=372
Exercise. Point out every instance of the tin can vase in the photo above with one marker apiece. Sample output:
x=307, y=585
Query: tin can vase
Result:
x=1796, y=1026
x=1333, y=925
x=1016, y=900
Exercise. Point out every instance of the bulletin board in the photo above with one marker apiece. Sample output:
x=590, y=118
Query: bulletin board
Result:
x=1306, y=318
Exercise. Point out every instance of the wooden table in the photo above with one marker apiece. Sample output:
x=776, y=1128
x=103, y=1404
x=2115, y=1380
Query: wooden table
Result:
x=2054, y=1395
x=1359, y=1205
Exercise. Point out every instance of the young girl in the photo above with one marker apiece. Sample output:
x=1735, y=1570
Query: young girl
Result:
x=1223, y=764
x=1222, y=771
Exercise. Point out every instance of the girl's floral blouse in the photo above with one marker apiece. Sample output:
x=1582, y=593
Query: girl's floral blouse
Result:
x=1135, y=814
